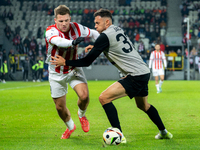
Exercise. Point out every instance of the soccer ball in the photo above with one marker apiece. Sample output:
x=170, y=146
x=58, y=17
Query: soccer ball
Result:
x=112, y=136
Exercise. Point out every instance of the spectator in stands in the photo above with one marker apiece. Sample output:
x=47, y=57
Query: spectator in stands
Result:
x=27, y=41
x=25, y=49
x=137, y=11
x=142, y=10
x=193, y=52
x=137, y=36
x=162, y=47
x=50, y=11
x=45, y=7
x=163, y=24
x=162, y=18
x=131, y=23
x=131, y=11
x=4, y=15
x=4, y=55
x=7, y=32
x=19, y=47
x=32, y=45
x=40, y=49
x=148, y=34
x=125, y=25
x=141, y=47
x=39, y=32
x=15, y=40
x=184, y=10
x=10, y=15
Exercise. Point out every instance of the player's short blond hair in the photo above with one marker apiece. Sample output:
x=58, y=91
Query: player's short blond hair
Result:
x=61, y=10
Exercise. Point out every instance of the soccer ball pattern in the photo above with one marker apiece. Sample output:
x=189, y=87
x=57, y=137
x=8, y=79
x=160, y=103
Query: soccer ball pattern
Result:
x=112, y=136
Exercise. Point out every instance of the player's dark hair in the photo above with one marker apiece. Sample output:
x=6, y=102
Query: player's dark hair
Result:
x=61, y=10
x=103, y=13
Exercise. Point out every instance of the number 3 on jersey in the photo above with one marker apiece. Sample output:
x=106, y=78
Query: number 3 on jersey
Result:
x=125, y=42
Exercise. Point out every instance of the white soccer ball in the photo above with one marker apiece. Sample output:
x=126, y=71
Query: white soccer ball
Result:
x=112, y=136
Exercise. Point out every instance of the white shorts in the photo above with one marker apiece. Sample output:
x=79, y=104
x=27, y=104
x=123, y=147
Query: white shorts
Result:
x=59, y=82
x=158, y=72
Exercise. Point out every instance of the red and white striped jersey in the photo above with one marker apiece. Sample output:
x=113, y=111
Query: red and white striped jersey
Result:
x=157, y=58
x=69, y=53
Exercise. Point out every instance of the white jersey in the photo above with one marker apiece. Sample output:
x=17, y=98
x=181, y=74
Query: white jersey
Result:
x=157, y=58
x=69, y=52
x=122, y=53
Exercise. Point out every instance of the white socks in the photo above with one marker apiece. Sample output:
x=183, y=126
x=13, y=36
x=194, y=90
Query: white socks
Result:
x=81, y=113
x=160, y=83
x=157, y=87
x=70, y=124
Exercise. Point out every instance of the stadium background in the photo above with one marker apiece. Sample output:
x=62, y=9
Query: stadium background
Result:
x=146, y=22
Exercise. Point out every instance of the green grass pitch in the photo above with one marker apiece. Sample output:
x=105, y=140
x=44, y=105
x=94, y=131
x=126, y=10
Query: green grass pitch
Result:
x=29, y=121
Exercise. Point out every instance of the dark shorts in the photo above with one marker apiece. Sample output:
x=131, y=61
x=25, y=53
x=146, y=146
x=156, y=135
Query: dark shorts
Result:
x=136, y=85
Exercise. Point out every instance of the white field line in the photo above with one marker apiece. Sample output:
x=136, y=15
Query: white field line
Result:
x=20, y=87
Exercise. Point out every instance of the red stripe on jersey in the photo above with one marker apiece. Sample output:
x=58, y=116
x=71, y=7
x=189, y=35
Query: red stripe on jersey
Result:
x=78, y=29
x=155, y=59
x=160, y=60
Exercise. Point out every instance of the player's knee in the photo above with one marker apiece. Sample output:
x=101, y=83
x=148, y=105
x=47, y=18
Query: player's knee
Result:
x=102, y=99
x=84, y=97
x=59, y=108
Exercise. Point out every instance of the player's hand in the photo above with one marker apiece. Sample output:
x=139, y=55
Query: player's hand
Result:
x=88, y=48
x=58, y=61
x=77, y=41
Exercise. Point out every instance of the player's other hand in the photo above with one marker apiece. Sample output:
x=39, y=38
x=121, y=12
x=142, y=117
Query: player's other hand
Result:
x=88, y=48
x=58, y=61
x=77, y=41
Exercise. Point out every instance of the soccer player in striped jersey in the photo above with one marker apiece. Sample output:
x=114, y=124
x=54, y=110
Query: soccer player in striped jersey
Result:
x=157, y=58
x=62, y=38
x=120, y=52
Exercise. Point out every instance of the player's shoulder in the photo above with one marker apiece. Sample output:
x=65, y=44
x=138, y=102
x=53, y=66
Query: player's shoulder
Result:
x=52, y=30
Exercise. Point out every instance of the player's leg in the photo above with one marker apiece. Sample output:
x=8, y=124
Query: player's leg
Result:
x=152, y=112
x=65, y=115
x=161, y=81
x=58, y=93
x=155, y=74
x=78, y=82
x=83, y=101
x=113, y=92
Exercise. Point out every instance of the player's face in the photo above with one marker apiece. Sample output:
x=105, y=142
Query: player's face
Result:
x=62, y=22
x=100, y=24
x=157, y=47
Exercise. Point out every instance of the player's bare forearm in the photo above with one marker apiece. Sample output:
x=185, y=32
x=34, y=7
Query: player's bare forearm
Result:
x=58, y=61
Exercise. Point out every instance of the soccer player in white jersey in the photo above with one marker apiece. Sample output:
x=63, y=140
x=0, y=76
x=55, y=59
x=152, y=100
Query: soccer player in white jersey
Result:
x=157, y=58
x=62, y=38
x=120, y=52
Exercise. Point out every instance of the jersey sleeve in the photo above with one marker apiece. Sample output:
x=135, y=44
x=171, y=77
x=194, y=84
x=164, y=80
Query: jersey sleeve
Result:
x=86, y=32
x=51, y=33
x=164, y=59
x=53, y=37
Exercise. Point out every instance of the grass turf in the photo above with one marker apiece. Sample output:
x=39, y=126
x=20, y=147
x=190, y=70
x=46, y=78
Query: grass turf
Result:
x=29, y=121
